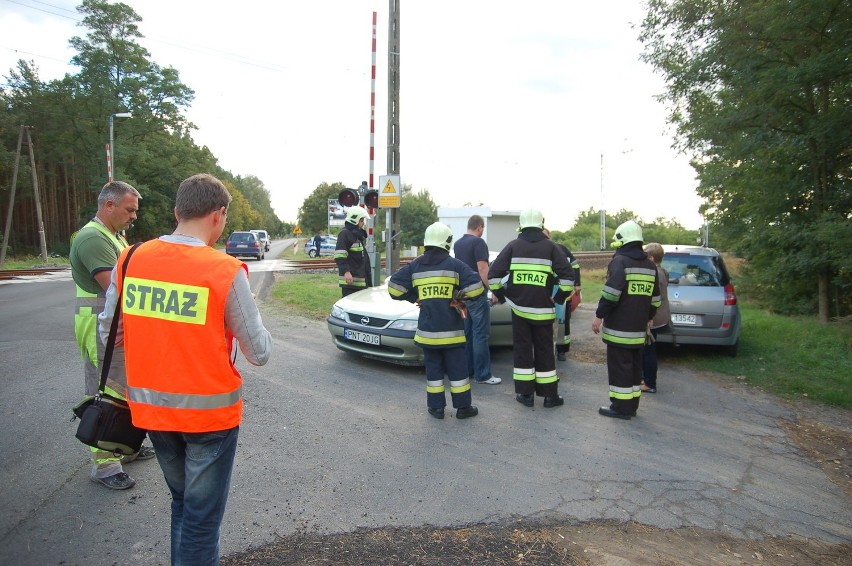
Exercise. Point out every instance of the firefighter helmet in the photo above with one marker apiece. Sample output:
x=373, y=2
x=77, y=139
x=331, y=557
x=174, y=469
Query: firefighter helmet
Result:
x=628, y=232
x=531, y=218
x=355, y=215
x=438, y=235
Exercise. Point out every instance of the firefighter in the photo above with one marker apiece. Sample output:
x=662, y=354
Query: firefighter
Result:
x=628, y=302
x=534, y=264
x=350, y=254
x=439, y=284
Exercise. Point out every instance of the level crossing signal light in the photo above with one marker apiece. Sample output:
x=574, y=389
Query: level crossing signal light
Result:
x=348, y=197
x=371, y=198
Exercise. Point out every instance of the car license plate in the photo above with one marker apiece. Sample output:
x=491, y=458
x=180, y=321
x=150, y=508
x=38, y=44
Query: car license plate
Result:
x=364, y=337
x=242, y=245
x=684, y=319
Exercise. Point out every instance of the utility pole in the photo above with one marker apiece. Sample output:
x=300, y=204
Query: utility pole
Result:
x=24, y=132
x=393, y=240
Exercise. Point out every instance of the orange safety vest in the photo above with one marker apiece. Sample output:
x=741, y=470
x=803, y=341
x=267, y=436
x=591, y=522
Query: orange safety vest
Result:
x=177, y=350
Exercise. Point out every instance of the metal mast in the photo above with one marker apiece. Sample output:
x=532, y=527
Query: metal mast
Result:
x=393, y=242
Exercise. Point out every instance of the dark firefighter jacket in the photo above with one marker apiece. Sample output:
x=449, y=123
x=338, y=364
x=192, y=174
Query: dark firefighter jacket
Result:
x=433, y=280
x=351, y=255
x=534, y=264
x=630, y=297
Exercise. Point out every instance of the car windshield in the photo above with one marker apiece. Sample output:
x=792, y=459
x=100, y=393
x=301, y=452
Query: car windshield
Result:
x=698, y=270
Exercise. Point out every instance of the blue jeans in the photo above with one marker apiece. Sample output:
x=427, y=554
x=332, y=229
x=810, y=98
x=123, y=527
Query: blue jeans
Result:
x=477, y=330
x=197, y=468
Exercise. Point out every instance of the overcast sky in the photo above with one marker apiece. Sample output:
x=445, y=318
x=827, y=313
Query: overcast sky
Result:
x=504, y=104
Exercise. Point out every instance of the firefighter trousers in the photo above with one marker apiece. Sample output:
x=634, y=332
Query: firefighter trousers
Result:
x=534, y=358
x=624, y=367
x=451, y=362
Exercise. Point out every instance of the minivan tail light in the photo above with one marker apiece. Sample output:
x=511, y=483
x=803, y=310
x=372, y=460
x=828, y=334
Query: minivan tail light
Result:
x=730, y=295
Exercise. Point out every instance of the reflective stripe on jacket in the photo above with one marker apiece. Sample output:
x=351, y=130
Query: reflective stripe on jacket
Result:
x=177, y=350
x=629, y=298
x=534, y=265
x=432, y=281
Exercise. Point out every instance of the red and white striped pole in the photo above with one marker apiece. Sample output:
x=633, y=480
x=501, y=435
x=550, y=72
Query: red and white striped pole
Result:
x=373, y=108
x=376, y=261
x=109, y=163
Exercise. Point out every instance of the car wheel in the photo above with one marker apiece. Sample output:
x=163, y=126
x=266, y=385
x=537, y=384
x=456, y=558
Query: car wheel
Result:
x=312, y=253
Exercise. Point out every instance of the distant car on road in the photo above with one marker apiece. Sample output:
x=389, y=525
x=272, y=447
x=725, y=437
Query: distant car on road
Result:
x=244, y=244
x=329, y=242
x=702, y=299
x=263, y=236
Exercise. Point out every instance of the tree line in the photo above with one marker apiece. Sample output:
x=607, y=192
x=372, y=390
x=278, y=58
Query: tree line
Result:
x=759, y=94
x=68, y=125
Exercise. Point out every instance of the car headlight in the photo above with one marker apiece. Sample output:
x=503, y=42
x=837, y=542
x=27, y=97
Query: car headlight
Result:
x=403, y=324
x=337, y=312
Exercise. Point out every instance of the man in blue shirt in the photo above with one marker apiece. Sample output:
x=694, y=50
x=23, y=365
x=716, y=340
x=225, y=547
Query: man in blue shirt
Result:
x=472, y=250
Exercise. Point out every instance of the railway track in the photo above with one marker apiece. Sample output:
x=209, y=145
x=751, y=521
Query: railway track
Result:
x=587, y=260
x=33, y=272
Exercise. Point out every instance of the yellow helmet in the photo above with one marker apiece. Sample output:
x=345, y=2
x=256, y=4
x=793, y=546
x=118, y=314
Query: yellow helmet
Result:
x=438, y=235
x=627, y=232
x=531, y=218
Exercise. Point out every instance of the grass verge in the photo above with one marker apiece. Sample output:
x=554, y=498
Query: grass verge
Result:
x=32, y=261
x=306, y=294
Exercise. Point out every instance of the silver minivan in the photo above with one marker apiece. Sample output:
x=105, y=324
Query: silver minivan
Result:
x=702, y=299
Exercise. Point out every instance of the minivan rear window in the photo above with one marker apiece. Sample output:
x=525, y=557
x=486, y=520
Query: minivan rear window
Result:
x=696, y=270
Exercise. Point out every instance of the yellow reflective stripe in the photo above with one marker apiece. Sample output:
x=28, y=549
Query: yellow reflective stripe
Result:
x=636, y=272
x=171, y=400
x=341, y=254
x=420, y=339
x=624, y=393
x=523, y=374
x=396, y=290
x=459, y=388
x=544, y=377
x=533, y=313
x=621, y=337
x=167, y=301
x=473, y=291
x=435, y=386
x=531, y=264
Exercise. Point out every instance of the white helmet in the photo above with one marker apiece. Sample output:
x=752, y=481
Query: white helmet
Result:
x=438, y=235
x=531, y=218
x=628, y=232
x=355, y=214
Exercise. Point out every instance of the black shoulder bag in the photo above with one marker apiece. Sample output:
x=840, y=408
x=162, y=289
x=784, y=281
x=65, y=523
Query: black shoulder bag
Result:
x=105, y=420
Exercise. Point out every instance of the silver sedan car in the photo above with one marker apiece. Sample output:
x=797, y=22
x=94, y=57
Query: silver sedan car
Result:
x=372, y=324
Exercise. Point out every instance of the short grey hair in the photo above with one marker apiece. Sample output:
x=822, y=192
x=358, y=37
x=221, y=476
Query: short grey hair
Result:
x=114, y=191
x=200, y=195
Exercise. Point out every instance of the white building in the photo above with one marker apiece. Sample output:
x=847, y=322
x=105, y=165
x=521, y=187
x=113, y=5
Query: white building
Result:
x=501, y=226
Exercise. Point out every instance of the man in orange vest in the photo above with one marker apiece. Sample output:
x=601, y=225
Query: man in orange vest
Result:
x=183, y=303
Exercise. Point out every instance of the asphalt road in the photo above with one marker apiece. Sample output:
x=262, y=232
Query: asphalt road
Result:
x=332, y=442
